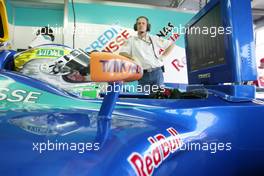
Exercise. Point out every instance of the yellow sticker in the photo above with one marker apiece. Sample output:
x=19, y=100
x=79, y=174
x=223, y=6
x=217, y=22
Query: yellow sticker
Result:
x=38, y=53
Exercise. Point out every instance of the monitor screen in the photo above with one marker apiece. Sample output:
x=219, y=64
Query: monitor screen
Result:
x=206, y=42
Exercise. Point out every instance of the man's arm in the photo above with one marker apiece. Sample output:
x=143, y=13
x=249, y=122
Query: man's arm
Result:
x=164, y=44
x=135, y=59
x=125, y=54
x=168, y=50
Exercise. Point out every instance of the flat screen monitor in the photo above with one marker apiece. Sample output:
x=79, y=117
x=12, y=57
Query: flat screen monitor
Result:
x=205, y=48
x=220, y=45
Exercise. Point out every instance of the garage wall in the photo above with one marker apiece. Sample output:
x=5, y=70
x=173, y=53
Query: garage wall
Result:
x=124, y=16
x=25, y=21
x=9, y=10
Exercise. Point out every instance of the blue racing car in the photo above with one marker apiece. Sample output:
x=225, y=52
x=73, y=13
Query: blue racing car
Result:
x=212, y=128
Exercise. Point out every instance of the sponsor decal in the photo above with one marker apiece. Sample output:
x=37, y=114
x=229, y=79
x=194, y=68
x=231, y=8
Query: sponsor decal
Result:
x=120, y=40
x=107, y=67
x=18, y=95
x=177, y=65
x=173, y=37
x=119, y=66
x=102, y=40
x=161, y=147
x=34, y=125
x=37, y=53
x=109, y=41
x=50, y=52
x=204, y=76
x=165, y=30
x=260, y=70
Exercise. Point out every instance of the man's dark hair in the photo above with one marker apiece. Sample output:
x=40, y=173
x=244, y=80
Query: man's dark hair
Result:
x=148, y=24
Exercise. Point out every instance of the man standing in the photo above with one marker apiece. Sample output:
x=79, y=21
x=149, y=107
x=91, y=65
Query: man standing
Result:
x=145, y=49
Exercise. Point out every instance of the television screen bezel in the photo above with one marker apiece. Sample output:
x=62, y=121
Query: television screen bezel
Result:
x=232, y=70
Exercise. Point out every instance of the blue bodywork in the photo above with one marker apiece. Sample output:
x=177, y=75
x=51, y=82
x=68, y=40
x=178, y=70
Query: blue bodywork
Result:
x=212, y=120
x=47, y=131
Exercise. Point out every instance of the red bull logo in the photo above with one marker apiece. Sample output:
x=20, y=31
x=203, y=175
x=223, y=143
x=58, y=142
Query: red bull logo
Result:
x=160, y=148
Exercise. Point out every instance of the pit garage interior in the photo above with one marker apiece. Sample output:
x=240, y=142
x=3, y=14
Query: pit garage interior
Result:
x=60, y=112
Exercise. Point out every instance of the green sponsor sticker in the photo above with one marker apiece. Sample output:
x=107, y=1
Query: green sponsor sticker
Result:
x=50, y=52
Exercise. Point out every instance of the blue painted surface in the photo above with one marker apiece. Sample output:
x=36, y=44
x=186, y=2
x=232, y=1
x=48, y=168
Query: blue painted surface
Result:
x=109, y=101
x=199, y=120
x=212, y=120
x=6, y=61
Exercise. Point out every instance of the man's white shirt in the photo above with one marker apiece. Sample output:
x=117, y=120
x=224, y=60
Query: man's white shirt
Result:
x=143, y=50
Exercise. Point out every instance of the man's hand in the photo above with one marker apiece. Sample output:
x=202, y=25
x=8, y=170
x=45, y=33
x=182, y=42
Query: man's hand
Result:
x=135, y=59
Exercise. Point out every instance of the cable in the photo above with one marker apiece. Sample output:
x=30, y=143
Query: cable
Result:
x=74, y=25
